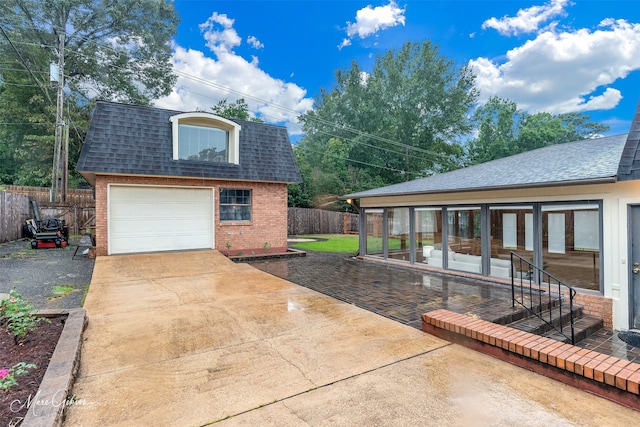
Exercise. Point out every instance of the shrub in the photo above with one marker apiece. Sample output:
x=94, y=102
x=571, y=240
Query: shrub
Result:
x=8, y=376
x=16, y=315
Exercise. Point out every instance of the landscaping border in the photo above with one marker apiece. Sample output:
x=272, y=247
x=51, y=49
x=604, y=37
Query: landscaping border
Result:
x=291, y=253
x=47, y=408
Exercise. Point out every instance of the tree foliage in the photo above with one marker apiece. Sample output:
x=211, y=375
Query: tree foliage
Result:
x=504, y=130
x=239, y=109
x=396, y=123
x=118, y=51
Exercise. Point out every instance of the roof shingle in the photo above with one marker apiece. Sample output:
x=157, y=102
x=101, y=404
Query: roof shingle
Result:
x=137, y=140
x=572, y=162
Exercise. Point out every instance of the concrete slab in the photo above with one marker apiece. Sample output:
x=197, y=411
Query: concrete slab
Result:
x=447, y=387
x=190, y=338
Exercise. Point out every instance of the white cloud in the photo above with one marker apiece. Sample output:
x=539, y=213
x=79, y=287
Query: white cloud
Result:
x=254, y=42
x=224, y=40
x=527, y=20
x=204, y=79
x=564, y=71
x=371, y=20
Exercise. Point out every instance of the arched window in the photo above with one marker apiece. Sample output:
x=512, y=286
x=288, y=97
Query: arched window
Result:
x=205, y=137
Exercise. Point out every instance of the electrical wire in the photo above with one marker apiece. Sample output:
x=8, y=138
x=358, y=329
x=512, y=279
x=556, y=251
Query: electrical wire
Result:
x=286, y=109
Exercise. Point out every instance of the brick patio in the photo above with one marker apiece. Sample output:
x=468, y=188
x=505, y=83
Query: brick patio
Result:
x=463, y=310
x=405, y=294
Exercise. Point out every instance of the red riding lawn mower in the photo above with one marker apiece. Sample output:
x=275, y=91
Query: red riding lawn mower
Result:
x=47, y=233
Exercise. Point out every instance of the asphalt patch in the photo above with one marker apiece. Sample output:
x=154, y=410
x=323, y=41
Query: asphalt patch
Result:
x=35, y=273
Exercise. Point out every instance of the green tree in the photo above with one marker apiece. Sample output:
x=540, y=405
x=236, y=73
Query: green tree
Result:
x=234, y=110
x=503, y=130
x=116, y=51
x=577, y=126
x=390, y=125
x=497, y=130
x=539, y=130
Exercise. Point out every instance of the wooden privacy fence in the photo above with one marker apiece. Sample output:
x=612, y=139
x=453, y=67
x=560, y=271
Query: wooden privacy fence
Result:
x=75, y=197
x=78, y=219
x=317, y=221
x=78, y=212
x=14, y=211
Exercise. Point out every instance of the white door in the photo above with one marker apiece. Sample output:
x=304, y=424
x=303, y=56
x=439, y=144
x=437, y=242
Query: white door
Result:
x=153, y=219
x=634, y=280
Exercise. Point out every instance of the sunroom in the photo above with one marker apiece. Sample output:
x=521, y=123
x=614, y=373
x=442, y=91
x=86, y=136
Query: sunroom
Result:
x=562, y=236
x=571, y=209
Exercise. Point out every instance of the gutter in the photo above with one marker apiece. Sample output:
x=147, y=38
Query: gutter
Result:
x=592, y=181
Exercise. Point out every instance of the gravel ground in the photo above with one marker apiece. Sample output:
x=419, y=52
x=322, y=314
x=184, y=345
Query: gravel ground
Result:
x=34, y=273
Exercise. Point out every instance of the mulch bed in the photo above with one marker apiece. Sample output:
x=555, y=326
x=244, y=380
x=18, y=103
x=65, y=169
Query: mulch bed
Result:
x=37, y=349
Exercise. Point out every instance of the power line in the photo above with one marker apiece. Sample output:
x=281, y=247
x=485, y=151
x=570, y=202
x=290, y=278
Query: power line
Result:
x=26, y=123
x=40, y=45
x=6, y=36
x=329, y=133
x=22, y=70
x=357, y=161
x=286, y=109
x=17, y=84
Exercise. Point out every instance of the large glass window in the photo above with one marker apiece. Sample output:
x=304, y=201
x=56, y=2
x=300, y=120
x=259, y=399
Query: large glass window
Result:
x=571, y=243
x=235, y=204
x=464, y=239
x=562, y=238
x=202, y=143
x=511, y=231
x=398, y=233
x=374, y=225
x=428, y=236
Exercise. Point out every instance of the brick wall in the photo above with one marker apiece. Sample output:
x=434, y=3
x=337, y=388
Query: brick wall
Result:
x=597, y=306
x=267, y=226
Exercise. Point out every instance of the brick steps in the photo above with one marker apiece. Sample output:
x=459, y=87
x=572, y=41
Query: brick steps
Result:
x=549, y=310
x=544, y=302
x=606, y=376
x=552, y=319
x=583, y=327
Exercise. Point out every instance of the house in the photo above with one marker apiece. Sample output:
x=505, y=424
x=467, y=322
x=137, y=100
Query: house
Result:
x=170, y=180
x=573, y=209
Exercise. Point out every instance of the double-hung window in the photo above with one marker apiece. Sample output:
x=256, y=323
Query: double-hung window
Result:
x=235, y=204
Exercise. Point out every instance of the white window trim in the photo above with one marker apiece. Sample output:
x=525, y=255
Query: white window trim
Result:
x=208, y=120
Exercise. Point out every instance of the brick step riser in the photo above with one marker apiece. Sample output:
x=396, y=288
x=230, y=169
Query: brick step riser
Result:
x=537, y=326
x=523, y=313
x=580, y=333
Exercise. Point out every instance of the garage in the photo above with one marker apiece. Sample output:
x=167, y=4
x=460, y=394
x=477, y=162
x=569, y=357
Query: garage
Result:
x=154, y=219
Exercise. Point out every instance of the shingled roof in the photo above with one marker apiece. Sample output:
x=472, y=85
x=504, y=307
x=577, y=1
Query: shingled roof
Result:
x=630, y=162
x=136, y=140
x=588, y=161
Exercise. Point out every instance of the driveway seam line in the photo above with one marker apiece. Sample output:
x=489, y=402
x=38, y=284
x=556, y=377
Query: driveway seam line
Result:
x=413, y=356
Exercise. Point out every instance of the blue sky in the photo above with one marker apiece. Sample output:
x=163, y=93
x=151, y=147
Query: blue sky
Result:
x=554, y=55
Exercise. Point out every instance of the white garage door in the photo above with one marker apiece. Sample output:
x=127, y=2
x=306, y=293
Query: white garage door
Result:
x=152, y=219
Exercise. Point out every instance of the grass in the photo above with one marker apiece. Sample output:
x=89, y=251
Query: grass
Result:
x=26, y=253
x=61, y=290
x=347, y=243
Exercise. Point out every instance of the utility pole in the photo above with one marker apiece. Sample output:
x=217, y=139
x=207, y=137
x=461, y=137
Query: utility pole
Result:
x=58, y=178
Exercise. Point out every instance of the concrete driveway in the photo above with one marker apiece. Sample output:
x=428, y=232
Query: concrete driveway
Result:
x=190, y=338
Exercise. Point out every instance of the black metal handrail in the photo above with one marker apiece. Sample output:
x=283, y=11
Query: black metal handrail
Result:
x=536, y=282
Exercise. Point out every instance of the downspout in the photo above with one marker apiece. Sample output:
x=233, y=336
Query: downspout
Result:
x=354, y=204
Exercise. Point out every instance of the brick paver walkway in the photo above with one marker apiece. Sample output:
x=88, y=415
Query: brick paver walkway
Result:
x=404, y=294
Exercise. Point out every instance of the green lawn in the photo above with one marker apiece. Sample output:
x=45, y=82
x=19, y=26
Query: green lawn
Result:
x=347, y=243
